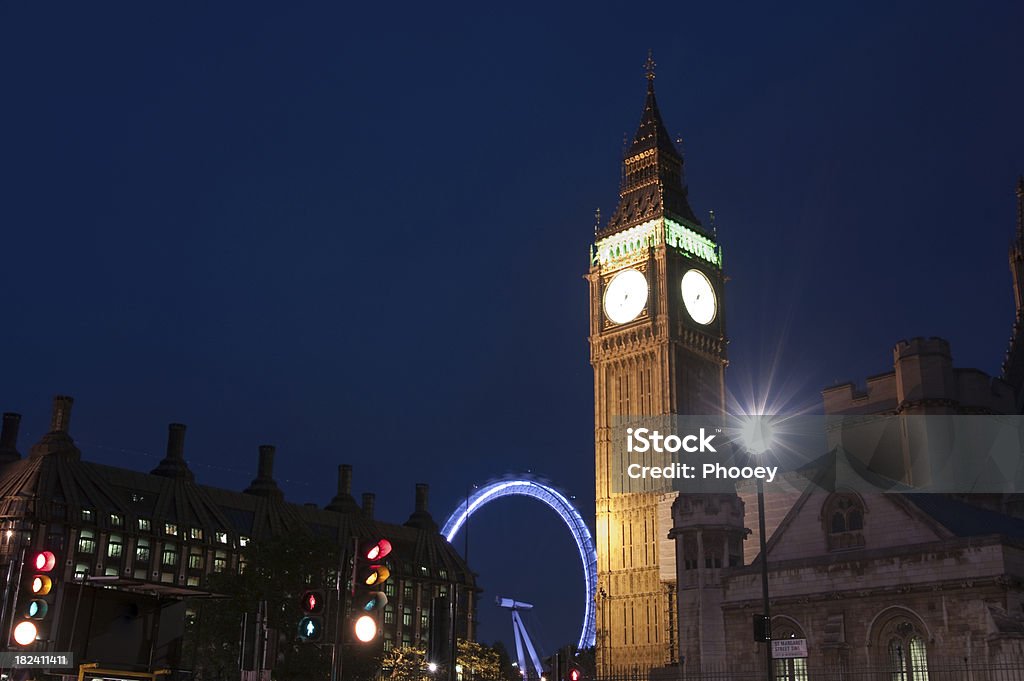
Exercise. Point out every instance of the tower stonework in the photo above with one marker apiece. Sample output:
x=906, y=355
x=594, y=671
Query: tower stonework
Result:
x=658, y=349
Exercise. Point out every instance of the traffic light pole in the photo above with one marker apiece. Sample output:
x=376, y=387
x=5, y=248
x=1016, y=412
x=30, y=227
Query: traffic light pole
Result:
x=337, y=649
x=455, y=632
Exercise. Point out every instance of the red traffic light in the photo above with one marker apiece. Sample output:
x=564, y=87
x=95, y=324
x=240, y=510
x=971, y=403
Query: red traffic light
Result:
x=44, y=561
x=377, y=550
x=313, y=602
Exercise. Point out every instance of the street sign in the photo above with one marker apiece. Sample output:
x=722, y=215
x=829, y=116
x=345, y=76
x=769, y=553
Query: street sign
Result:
x=789, y=647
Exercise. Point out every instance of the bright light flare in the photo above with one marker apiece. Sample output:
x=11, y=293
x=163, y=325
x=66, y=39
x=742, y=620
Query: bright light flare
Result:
x=757, y=433
x=25, y=633
x=432, y=667
x=366, y=628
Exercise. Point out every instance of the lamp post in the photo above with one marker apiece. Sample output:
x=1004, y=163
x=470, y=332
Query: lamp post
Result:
x=757, y=437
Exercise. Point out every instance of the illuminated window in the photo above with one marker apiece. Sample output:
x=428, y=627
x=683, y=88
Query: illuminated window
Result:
x=406, y=617
x=116, y=520
x=114, y=546
x=407, y=591
x=389, y=588
x=243, y=541
x=195, y=559
x=221, y=537
x=790, y=669
x=171, y=529
x=86, y=542
x=143, y=525
x=196, y=533
x=906, y=652
x=220, y=561
x=170, y=555
x=389, y=615
x=142, y=551
x=88, y=515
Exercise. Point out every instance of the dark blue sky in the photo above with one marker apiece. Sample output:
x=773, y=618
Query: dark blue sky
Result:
x=360, y=233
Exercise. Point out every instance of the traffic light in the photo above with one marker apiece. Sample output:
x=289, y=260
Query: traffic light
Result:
x=36, y=600
x=311, y=626
x=574, y=674
x=369, y=572
x=762, y=628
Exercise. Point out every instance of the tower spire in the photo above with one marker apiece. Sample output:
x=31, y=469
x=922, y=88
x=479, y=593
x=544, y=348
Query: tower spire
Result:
x=1017, y=251
x=649, y=70
x=652, y=185
x=1020, y=209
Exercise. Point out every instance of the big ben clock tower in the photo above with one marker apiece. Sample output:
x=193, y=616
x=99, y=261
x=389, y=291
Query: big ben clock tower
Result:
x=657, y=345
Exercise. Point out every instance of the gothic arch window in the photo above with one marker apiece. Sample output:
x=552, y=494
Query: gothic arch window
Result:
x=843, y=520
x=903, y=645
x=794, y=668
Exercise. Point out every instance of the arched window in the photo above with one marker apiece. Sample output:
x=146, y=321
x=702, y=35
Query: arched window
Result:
x=903, y=643
x=843, y=518
x=794, y=668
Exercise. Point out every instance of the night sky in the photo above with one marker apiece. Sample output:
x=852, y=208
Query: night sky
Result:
x=360, y=233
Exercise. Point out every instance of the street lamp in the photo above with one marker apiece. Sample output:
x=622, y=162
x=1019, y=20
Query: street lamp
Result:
x=757, y=435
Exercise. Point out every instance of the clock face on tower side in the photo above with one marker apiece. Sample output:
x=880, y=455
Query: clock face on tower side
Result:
x=699, y=297
x=626, y=296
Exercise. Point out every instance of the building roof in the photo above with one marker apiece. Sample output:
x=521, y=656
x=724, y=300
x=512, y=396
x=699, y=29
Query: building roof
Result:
x=963, y=519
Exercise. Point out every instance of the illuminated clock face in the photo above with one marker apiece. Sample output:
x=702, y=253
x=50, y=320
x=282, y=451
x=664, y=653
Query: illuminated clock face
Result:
x=626, y=296
x=699, y=297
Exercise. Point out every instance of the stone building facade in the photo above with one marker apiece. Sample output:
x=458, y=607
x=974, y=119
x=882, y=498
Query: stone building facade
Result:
x=161, y=532
x=898, y=582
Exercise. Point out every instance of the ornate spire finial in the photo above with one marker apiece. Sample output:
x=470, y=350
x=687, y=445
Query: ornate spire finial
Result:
x=597, y=219
x=649, y=68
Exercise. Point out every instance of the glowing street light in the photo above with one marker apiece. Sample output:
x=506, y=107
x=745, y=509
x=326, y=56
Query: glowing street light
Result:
x=757, y=433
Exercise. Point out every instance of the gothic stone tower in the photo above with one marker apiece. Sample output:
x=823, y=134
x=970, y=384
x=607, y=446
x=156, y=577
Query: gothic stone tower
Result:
x=657, y=345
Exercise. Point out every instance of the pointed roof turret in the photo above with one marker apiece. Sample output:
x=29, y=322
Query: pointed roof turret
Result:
x=652, y=185
x=652, y=133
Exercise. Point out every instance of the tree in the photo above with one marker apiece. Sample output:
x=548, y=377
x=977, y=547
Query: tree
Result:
x=478, y=661
x=406, y=663
x=277, y=571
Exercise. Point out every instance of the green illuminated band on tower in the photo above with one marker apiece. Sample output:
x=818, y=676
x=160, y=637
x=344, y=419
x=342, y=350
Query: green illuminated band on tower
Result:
x=626, y=244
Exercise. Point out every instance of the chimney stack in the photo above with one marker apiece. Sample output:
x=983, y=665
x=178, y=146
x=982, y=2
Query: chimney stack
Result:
x=60, y=416
x=9, y=438
x=368, y=503
x=57, y=441
x=421, y=518
x=343, y=502
x=264, y=484
x=266, y=465
x=173, y=464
